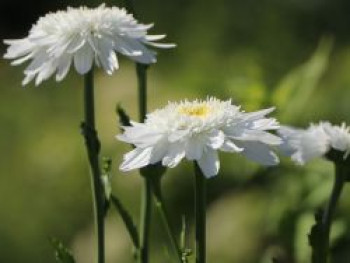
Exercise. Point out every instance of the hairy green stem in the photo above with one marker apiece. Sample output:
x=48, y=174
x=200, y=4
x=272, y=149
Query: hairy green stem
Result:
x=159, y=201
x=200, y=206
x=93, y=148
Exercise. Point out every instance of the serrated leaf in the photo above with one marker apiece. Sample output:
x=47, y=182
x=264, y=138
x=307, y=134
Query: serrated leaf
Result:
x=62, y=254
x=124, y=118
x=127, y=219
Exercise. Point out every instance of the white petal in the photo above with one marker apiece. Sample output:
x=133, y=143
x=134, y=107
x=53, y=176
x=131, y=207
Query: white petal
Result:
x=194, y=148
x=161, y=45
x=106, y=54
x=154, y=37
x=229, y=146
x=28, y=78
x=141, y=136
x=266, y=124
x=18, y=48
x=259, y=153
x=136, y=159
x=216, y=139
x=39, y=59
x=257, y=135
x=209, y=163
x=159, y=151
x=46, y=71
x=175, y=154
x=257, y=114
x=290, y=140
x=145, y=56
x=83, y=59
x=177, y=135
x=63, y=66
x=22, y=59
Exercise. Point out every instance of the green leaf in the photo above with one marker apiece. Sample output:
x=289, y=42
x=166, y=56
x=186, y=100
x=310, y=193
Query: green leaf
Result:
x=62, y=254
x=106, y=176
x=124, y=118
x=295, y=90
x=127, y=219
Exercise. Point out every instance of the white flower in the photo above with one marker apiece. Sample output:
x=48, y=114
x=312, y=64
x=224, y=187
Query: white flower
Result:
x=82, y=35
x=197, y=130
x=315, y=141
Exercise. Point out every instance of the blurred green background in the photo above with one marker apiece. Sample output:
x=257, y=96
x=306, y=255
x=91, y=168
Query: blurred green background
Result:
x=294, y=54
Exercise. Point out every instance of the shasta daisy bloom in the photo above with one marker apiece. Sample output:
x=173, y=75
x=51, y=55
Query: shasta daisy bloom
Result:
x=315, y=141
x=197, y=130
x=83, y=36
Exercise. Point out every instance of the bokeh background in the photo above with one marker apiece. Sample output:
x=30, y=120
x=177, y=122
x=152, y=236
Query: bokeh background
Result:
x=293, y=54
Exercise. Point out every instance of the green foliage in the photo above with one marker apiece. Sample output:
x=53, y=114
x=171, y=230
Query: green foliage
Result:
x=62, y=254
x=127, y=219
x=295, y=90
x=124, y=119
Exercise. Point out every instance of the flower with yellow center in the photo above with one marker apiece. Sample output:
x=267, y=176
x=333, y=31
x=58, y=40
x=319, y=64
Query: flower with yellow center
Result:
x=197, y=130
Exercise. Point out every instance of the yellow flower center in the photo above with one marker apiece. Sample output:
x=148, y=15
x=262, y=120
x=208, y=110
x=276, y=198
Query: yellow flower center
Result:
x=200, y=110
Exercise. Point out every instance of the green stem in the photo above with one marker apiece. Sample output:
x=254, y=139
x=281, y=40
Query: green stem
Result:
x=340, y=179
x=93, y=147
x=200, y=205
x=146, y=199
x=141, y=70
x=165, y=216
x=145, y=221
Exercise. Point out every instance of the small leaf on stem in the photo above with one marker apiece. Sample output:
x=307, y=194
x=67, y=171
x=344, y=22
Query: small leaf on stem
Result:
x=62, y=254
x=128, y=221
x=124, y=118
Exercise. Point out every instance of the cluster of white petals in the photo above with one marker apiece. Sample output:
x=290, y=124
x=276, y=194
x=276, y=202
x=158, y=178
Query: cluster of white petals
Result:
x=197, y=130
x=315, y=141
x=84, y=36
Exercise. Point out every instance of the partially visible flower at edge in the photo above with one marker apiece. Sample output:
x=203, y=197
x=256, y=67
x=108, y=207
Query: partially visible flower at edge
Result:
x=315, y=141
x=197, y=130
x=82, y=35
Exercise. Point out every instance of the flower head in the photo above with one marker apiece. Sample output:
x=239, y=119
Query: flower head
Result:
x=82, y=35
x=197, y=130
x=315, y=141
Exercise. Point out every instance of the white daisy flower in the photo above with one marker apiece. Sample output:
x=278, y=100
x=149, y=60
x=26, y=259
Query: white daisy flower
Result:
x=84, y=36
x=197, y=130
x=315, y=141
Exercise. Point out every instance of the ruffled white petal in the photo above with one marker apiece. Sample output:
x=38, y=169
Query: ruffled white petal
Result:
x=174, y=155
x=197, y=130
x=216, y=139
x=304, y=145
x=259, y=152
x=83, y=59
x=63, y=66
x=85, y=36
x=194, y=148
x=229, y=146
x=209, y=163
x=135, y=159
